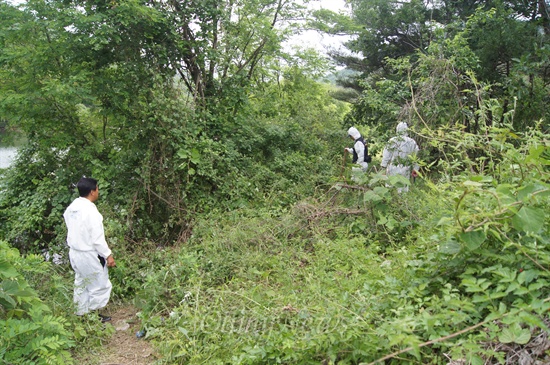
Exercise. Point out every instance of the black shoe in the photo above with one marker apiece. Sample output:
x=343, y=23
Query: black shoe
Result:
x=104, y=318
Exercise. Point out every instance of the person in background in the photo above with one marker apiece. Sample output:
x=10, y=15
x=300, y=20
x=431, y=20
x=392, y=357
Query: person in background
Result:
x=89, y=253
x=358, y=151
x=396, y=155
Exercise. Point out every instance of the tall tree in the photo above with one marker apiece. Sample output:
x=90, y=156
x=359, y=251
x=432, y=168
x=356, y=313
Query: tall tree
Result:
x=507, y=39
x=151, y=97
x=391, y=29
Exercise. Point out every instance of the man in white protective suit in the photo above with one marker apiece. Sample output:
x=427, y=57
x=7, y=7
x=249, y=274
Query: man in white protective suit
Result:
x=396, y=155
x=358, y=151
x=89, y=253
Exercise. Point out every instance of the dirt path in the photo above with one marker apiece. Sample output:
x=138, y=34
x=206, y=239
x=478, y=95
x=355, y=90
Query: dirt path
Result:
x=124, y=348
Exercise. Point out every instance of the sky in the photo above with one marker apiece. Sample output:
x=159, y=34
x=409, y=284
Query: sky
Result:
x=319, y=41
x=334, y=5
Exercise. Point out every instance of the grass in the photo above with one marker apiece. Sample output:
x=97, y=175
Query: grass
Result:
x=261, y=287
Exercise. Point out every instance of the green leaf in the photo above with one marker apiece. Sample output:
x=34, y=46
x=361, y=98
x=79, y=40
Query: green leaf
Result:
x=391, y=223
x=7, y=270
x=472, y=183
x=526, y=276
x=399, y=180
x=450, y=247
x=526, y=191
x=382, y=191
x=416, y=351
x=13, y=287
x=497, y=295
x=506, y=194
x=7, y=301
x=480, y=298
x=536, y=286
x=475, y=360
x=534, y=320
x=371, y=196
x=493, y=316
x=528, y=219
x=481, y=178
x=195, y=156
x=382, y=220
x=473, y=239
x=515, y=334
x=535, y=153
x=182, y=153
x=445, y=220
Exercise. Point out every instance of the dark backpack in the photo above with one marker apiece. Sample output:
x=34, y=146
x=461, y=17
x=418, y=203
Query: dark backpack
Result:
x=367, y=157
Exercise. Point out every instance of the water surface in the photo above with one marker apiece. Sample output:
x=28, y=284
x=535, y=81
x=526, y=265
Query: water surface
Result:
x=7, y=154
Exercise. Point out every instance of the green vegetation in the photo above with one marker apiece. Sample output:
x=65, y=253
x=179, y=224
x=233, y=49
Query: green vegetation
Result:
x=362, y=274
x=237, y=231
x=35, y=331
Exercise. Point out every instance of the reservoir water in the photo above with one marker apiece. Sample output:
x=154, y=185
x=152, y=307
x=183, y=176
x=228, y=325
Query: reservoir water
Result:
x=7, y=154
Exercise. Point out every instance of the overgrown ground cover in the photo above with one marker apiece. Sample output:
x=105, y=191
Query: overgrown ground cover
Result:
x=452, y=270
x=455, y=270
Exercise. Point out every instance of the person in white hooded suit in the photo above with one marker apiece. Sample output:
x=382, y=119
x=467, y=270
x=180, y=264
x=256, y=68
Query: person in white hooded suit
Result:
x=395, y=157
x=358, y=151
x=89, y=253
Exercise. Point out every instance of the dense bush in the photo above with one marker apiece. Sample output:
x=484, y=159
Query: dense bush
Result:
x=153, y=182
x=30, y=332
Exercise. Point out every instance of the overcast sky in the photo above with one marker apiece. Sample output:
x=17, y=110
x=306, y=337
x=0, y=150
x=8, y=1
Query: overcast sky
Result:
x=334, y=5
x=313, y=39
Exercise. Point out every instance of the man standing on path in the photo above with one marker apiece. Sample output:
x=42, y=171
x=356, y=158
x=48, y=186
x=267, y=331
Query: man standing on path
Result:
x=396, y=155
x=89, y=253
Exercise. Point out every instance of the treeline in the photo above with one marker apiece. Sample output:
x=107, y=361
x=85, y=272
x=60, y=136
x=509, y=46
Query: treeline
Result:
x=175, y=108
x=443, y=63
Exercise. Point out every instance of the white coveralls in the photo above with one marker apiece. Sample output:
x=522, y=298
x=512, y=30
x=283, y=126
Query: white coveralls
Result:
x=395, y=157
x=86, y=239
x=359, y=148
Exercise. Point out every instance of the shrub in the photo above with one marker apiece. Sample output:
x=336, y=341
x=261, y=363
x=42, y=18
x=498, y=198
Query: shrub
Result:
x=30, y=333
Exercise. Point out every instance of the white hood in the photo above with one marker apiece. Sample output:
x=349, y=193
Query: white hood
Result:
x=354, y=133
x=402, y=128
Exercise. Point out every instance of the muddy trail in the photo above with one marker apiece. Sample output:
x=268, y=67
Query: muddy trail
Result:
x=123, y=347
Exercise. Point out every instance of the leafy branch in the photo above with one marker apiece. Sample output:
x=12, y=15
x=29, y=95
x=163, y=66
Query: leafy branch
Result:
x=452, y=335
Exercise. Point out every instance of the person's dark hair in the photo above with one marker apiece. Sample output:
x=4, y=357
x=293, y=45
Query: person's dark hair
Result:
x=85, y=186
